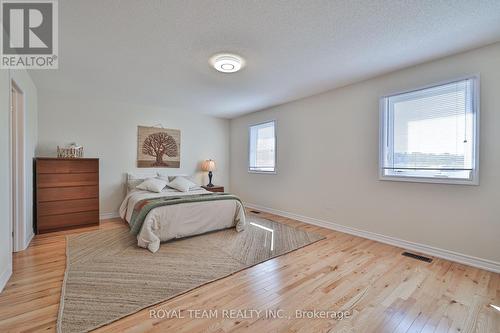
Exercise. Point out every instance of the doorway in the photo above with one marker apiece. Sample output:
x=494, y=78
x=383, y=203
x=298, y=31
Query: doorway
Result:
x=17, y=166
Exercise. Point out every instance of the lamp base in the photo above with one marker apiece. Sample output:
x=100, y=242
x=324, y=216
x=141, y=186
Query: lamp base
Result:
x=210, y=179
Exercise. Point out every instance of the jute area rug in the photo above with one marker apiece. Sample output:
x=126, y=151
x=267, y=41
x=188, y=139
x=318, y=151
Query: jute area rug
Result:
x=108, y=277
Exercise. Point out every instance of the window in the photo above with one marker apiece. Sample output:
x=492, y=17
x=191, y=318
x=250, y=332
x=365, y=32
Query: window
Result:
x=262, y=148
x=430, y=135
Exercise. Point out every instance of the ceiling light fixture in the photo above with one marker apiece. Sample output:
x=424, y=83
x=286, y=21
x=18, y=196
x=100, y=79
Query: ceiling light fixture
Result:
x=227, y=63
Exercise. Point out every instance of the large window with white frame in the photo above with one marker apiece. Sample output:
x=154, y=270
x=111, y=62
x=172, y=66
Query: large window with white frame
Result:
x=262, y=148
x=431, y=134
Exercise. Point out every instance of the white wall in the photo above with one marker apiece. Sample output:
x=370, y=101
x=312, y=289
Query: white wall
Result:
x=328, y=163
x=5, y=221
x=108, y=130
x=24, y=81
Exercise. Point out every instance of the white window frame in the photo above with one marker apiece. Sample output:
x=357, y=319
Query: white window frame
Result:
x=474, y=178
x=275, y=148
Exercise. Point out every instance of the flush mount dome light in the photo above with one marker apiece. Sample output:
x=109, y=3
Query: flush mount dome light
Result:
x=227, y=63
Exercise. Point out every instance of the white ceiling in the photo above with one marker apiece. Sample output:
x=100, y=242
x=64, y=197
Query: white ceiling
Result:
x=156, y=52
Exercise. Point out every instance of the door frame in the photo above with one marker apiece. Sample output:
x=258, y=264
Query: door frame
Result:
x=17, y=165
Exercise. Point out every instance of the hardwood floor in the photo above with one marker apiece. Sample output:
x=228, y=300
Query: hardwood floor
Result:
x=382, y=290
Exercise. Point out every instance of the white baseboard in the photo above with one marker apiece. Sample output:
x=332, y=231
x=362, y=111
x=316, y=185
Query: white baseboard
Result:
x=28, y=241
x=106, y=216
x=486, y=264
x=5, y=276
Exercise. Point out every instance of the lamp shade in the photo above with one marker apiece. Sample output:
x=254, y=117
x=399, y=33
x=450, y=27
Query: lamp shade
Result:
x=208, y=165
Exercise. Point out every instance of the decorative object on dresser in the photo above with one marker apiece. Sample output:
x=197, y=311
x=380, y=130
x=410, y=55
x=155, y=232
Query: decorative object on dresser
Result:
x=66, y=193
x=208, y=165
x=214, y=188
x=158, y=147
x=70, y=151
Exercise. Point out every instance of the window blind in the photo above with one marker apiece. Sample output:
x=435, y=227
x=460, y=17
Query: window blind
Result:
x=430, y=132
x=262, y=147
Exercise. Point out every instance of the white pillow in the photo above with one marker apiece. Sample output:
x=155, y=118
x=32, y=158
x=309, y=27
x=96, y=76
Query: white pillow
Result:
x=170, y=178
x=153, y=185
x=162, y=174
x=182, y=184
x=164, y=178
x=133, y=180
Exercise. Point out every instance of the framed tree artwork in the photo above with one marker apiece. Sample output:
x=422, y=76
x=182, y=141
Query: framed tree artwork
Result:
x=158, y=147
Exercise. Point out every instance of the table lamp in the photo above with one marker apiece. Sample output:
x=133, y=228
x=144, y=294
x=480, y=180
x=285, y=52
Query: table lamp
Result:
x=208, y=165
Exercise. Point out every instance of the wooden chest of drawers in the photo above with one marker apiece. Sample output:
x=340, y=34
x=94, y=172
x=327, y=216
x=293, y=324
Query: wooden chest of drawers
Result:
x=66, y=193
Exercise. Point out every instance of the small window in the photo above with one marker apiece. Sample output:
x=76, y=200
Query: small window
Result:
x=430, y=135
x=262, y=148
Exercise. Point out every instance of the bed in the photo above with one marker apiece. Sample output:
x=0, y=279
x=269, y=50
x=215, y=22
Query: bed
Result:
x=170, y=214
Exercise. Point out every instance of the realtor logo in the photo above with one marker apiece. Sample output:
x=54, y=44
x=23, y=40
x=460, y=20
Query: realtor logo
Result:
x=29, y=34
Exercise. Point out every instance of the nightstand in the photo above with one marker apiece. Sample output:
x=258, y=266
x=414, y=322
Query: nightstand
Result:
x=215, y=188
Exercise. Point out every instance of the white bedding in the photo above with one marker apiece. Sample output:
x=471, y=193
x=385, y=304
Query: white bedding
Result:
x=176, y=221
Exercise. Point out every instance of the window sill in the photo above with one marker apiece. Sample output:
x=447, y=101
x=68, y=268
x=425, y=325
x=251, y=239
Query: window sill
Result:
x=263, y=172
x=450, y=181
